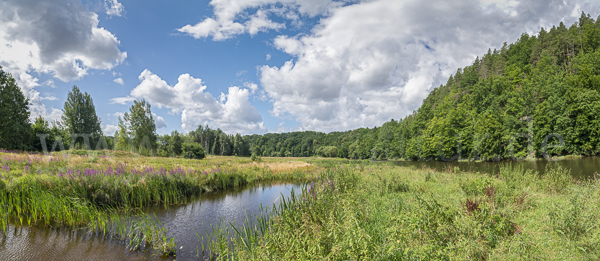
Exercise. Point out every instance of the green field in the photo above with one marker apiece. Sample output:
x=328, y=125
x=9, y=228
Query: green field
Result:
x=350, y=210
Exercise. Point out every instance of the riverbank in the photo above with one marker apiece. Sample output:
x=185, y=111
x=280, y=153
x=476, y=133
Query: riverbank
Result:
x=382, y=212
x=355, y=210
x=100, y=192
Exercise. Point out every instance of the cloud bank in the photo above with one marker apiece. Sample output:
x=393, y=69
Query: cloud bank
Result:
x=231, y=17
x=232, y=112
x=60, y=38
x=366, y=62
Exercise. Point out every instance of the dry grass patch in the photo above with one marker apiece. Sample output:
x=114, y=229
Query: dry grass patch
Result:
x=282, y=166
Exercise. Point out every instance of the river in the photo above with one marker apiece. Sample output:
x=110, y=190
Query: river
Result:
x=182, y=222
x=581, y=167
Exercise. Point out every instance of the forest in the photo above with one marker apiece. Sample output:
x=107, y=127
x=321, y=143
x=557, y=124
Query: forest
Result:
x=537, y=97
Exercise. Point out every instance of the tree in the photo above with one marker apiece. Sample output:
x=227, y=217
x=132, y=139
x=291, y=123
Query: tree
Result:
x=15, y=128
x=122, y=136
x=41, y=128
x=174, y=143
x=241, y=148
x=80, y=119
x=193, y=151
x=141, y=127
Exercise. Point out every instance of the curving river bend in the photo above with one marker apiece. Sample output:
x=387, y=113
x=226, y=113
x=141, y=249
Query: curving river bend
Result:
x=42, y=243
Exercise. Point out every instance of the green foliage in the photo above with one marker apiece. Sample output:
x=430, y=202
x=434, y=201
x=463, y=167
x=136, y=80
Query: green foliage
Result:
x=327, y=151
x=516, y=177
x=573, y=219
x=141, y=128
x=475, y=187
x=15, y=128
x=193, y=151
x=216, y=142
x=556, y=178
x=41, y=128
x=80, y=119
x=537, y=97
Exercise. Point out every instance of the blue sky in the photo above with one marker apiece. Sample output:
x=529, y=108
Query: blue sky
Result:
x=256, y=66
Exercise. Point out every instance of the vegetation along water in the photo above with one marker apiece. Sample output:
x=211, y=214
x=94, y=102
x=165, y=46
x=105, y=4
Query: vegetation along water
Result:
x=536, y=98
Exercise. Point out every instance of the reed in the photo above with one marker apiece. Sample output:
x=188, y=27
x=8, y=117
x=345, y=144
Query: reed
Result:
x=382, y=212
x=105, y=194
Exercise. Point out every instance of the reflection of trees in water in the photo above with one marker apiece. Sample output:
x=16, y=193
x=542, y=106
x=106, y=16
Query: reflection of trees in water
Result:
x=216, y=195
x=55, y=243
x=39, y=242
x=581, y=167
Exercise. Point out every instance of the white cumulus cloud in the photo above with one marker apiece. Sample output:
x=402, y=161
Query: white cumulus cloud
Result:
x=159, y=121
x=371, y=61
x=231, y=17
x=121, y=100
x=232, y=112
x=114, y=8
x=367, y=61
x=119, y=81
x=109, y=129
x=59, y=38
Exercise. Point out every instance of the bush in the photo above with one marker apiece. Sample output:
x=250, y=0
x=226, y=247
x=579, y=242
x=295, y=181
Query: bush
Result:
x=575, y=218
x=556, y=179
x=476, y=186
x=516, y=177
x=193, y=151
x=327, y=151
x=255, y=157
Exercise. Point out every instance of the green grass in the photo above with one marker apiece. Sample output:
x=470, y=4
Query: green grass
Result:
x=350, y=210
x=104, y=194
x=382, y=212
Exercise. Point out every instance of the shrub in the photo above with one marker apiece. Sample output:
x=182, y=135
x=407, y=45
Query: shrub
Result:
x=556, y=178
x=475, y=186
x=193, y=151
x=573, y=219
x=255, y=157
x=516, y=176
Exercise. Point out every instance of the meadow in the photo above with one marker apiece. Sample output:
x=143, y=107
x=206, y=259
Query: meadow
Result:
x=348, y=210
x=366, y=211
x=104, y=192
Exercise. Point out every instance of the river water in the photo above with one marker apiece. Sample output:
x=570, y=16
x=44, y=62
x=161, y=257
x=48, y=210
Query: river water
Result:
x=183, y=222
x=581, y=167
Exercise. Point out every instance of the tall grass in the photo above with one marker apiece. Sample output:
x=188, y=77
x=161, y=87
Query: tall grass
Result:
x=368, y=212
x=105, y=195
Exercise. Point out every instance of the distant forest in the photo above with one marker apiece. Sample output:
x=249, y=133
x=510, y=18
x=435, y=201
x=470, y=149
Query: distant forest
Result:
x=537, y=97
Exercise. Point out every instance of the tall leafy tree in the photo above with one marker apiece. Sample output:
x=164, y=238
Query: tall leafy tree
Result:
x=41, y=127
x=122, y=136
x=80, y=119
x=175, y=143
x=141, y=126
x=15, y=129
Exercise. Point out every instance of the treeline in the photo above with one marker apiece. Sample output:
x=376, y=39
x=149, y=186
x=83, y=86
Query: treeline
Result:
x=537, y=97
x=79, y=128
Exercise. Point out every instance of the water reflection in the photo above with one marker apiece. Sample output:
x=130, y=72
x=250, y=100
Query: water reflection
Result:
x=231, y=206
x=581, y=167
x=43, y=243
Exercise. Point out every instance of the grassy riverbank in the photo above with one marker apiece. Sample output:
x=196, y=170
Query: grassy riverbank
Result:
x=352, y=210
x=382, y=212
x=101, y=191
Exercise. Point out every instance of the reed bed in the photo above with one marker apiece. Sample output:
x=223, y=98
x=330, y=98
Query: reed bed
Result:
x=105, y=194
